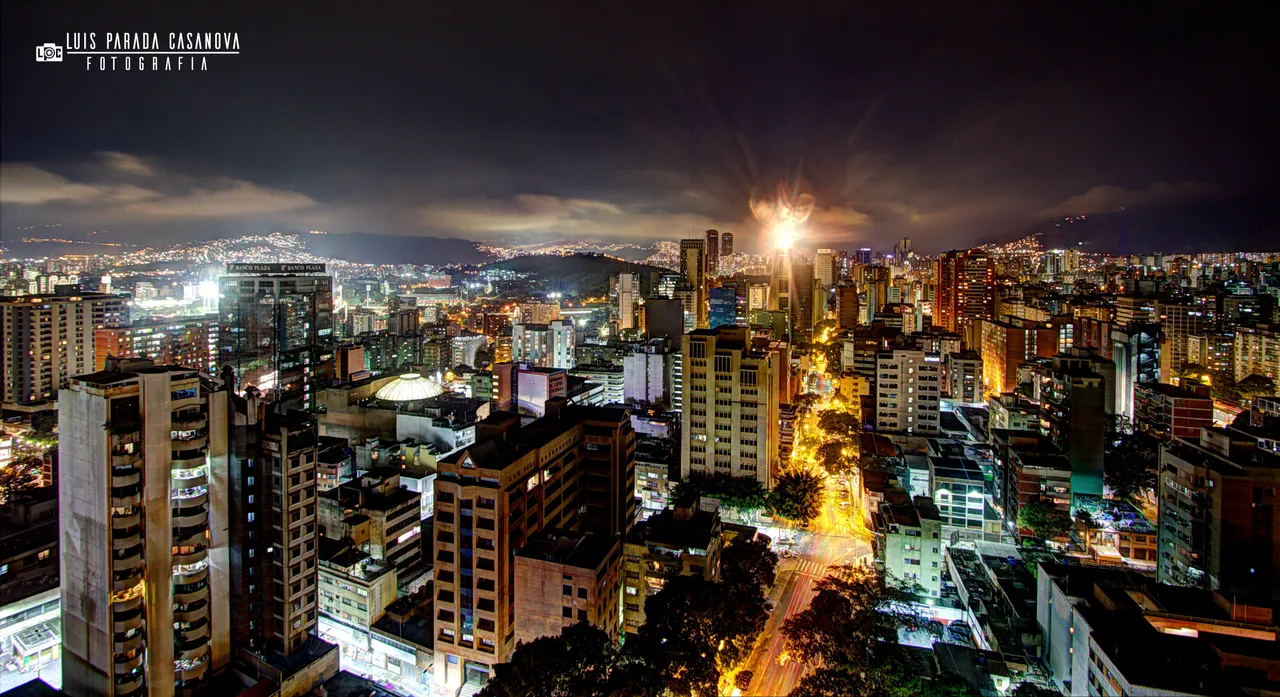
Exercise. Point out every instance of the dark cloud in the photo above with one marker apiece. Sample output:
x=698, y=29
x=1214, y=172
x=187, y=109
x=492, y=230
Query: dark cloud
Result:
x=951, y=124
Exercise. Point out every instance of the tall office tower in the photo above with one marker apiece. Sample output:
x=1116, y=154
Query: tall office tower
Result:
x=192, y=343
x=1135, y=350
x=965, y=289
x=726, y=244
x=274, y=528
x=49, y=338
x=1178, y=321
x=494, y=497
x=847, y=305
x=824, y=268
x=730, y=408
x=277, y=329
x=544, y=345
x=144, y=546
x=946, y=285
x=693, y=272
x=1218, y=523
x=713, y=254
x=875, y=282
x=908, y=384
x=723, y=307
x=862, y=256
x=628, y=296
x=802, y=302
x=1073, y=416
x=779, y=295
x=667, y=283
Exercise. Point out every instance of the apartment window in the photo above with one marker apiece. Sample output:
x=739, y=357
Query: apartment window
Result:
x=582, y=592
x=566, y=590
x=566, y=612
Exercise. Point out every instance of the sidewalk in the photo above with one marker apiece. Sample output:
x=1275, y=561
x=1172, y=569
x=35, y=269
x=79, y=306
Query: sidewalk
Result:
x=383, y=677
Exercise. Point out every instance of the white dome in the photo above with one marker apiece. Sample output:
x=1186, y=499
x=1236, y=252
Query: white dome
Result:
x=409, y=387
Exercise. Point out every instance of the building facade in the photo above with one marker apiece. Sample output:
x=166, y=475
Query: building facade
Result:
x=49, y=338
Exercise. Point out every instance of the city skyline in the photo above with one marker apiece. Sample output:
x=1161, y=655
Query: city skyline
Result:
x=954, y=127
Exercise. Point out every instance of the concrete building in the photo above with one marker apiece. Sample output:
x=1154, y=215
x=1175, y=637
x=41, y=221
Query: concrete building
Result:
x=1178, y=321
x=959, y=490
x=49, y=338
x=908, y=385
x=544, y=345
x=1165, y=410
x=380, y=517
x=1011, y=412
x=355, y=590
x=1006, y=345
x=1135, y=350
x=1218, y=525
x=908, y=543
x=628, y=297
x=1257, y=352
x=824, y=268
x=1110, y=631
x=681, y=541
x=964, y=289
x=846, y=306
x=276, y=329
x=611, y=377
x=730, y=406
x=964, y=377
x=1073, y=414
x=187, y=342
x=1028, y=467
x=144, y=553
x=694, y=275
x=564, y=577
x=646, y=374
x=495, y=496
x=1214, y=351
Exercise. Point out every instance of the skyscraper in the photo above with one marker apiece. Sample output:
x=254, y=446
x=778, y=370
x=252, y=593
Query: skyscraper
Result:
x=907, y=391
x=730, y=405
x=726, y=244
x=713, y=253
x=192, y=342
x=964, y=289
x=628, y=295
x=693, y=271
x=824, y=268
x=277, y=329
x=144, y=563
x=49, y=338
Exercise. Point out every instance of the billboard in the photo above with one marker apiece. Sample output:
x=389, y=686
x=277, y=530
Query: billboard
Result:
x=275, y=268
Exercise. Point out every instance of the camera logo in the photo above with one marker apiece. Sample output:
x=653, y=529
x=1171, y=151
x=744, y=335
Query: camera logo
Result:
x=49, y=53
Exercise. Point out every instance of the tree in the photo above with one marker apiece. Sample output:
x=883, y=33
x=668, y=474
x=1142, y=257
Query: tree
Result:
x=1043, y=519
x=837, y=457
x=1130, y=460
x=797, y=496
x=581, y=661
x=1222, y=387
x=850, y=630
x=748, y=563
x=1255, y=385
x=21, y=475
x=742, y=494
x=696, y=630
x=840, y=424
x=1030, y=689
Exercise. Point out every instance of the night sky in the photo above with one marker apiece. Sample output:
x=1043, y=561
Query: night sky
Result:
x=954, y=124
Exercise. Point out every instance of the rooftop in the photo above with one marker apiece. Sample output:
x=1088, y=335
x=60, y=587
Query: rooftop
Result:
x=1113, y=515
x=667, y=529
x=1171, y=391
x=409, y=387
x=577, y=549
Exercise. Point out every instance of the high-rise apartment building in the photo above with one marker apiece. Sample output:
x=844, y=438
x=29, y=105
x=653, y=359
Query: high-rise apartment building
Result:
x=192, y=343
x=965, y=283
x=1006, y=345
x=536, y=313
x=49, y=338
x=1257, y=352
x=909, y=543
x=684, y=540
x=143, y=510
x=726, y=244
x=1218, y=524
x=1073, y=415
x=1135, y=350
x=804, y=302
x=1178, y=321
x=824, y=268
x=628, y=296
x=693, y=273
x=1213, y=351
x=730, y=405
x=1166, y=410
x=713, y=254
x=276, y=329
x=564, y=577
x=544, y=345
x=847, y=306
x=964, y=376
x=908, y=384
x=493, y=498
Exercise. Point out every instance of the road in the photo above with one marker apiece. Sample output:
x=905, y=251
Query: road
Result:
x=835, y=542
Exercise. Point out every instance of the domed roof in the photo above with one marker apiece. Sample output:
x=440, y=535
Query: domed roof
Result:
x=409, y=387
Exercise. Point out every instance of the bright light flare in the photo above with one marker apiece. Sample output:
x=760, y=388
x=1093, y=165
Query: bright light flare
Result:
x=783, y=214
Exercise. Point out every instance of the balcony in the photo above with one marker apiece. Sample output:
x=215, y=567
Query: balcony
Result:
x=187, y=458
x=123, y=538
x=190, y=650
x=127, y=615
x=126, y=496
x=189, y=517
x=126, y=579
x=188, y=421
x=130, y=685
x=125, y=476
x=123, y=459
x=125, y=663
x=191, y=612
x=190, y=498
x=124, y=642
x=198, y=555
x=125, y=559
